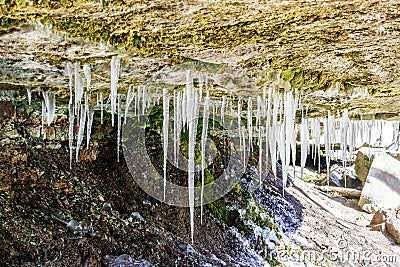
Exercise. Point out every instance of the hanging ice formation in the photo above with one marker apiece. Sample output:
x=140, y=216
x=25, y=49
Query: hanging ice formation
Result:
x=203, y=149
x=118, y=125
x=81, y=130
x=223, y=108
x=71, y=118
x=250, y=123
x=43, y=115
x=89, y=125
x=275, y=128
x=86, y=72
x=328, y=131
x=192, y=101
x=78, y=86
x=274, y=135
x=101, y=107
x=345, y=124
x=175, y=103
x=244, y=146
x=317, y=142
x=115, y=64
x=260, y=153
x=129, y=98
x=70, y=69
x=290, y=130
x=239, y=114
x=50, y=103
x=165, y=133
x=178, y=126
x=304, y=143
x=29, y=95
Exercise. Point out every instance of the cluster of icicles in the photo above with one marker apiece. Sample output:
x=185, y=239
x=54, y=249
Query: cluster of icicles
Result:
x=274, y=129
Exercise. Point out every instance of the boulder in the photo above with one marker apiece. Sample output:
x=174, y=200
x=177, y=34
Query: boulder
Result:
x=364, y=158
x=387, y=221
x=382, y=187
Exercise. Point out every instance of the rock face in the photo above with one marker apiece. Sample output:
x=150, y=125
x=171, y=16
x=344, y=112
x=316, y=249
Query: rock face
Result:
x=382, y=186
x=388, y=221
x=365, y=156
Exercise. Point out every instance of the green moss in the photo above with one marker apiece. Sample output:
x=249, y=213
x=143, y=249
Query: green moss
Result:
x=253, y=213
x=220, y=211
x=348, y=87
x=288, y=74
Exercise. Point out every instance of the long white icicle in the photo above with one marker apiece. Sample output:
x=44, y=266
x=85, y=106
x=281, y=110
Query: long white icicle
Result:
x=165, y=134
x=203, y=149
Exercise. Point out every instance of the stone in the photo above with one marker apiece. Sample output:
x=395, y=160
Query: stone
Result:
x=378, y=221
x=364, y=158
x=393, y=229
x=387, y=221
x=382, y=187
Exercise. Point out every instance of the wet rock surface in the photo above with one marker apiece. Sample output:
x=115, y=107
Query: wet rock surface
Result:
x=94, y=212
x=355, y=70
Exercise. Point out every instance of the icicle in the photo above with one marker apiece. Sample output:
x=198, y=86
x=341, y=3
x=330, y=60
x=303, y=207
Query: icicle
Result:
x=71, y=118
x=89, y=125
x=282, y=150
x=264, y=99
x=178, y=125
x=244, y=146
x=165, y=134
x=86, y=71
x=258, y=112
x=274, y=132
x=81, y=130
x=29, y=95
x=118, y=125
x=304, y=144
x=345, y=124
x=290, y=131
x=78, y=86
x=144, y=101
x=250, y=123
x=260, y=152
x=203, y=150
x=101, y=108
x=51, y=108
x=184, y=103
x=136, y=104
x=50, y=103
x=200, y=87
x=213, y=115
x=191, y=111
x=328, y=129
x=175, y=103
x=268, y=128
x=129, y=99
x=69, y=72
x=313, y=138
x=115, y=65
x=239, y=124
x=43, y=115
x=317, y=143
x=223, y=109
